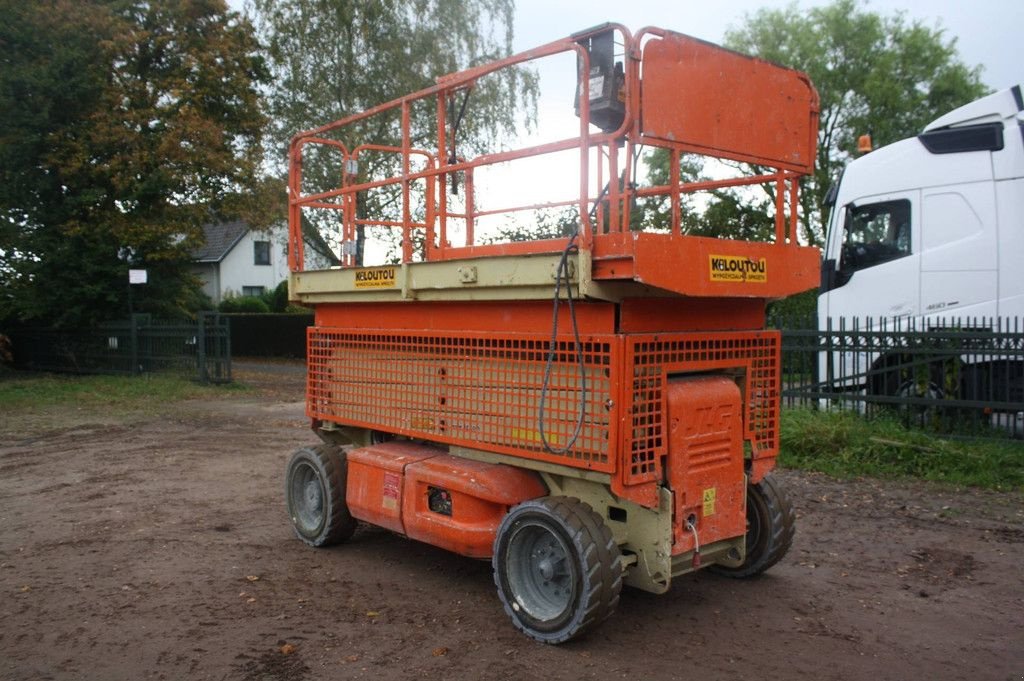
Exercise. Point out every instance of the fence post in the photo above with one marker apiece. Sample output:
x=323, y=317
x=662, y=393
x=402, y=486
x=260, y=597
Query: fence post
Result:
x=201, y=348
x=134, y=335
x=225, y=348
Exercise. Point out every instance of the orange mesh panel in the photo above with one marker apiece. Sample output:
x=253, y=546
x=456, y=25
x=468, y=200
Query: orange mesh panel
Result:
x=654, y=358
x=477, y=390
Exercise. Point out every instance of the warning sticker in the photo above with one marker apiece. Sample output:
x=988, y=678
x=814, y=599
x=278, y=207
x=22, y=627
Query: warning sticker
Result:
x=530, y=435
x=709, y=501
x=738, y=268
x=392, y=491
x=421, y=423
x=376, y=277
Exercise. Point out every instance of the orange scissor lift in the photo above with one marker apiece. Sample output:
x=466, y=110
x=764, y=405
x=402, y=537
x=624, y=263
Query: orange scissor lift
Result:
x=586, y=411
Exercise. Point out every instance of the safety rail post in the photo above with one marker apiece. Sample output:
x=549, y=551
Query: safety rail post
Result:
x=406, y=208
x=780, y=207
x=296, y=256
x=628, y=189
x=794, y=204
x=470, y=208
x=676, y=228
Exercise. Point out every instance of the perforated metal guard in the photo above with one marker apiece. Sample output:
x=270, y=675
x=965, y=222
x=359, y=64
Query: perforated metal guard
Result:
x=474, y=390
x=483, y=390
x=753, y=355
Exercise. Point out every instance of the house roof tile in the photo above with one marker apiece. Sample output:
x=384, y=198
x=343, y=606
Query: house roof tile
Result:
x=219, y=240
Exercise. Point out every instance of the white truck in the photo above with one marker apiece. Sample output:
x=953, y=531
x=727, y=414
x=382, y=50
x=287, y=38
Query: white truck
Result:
x=928, y=232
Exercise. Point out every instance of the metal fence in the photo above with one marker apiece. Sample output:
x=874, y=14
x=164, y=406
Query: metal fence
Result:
x=200, y=348
x=951, y=375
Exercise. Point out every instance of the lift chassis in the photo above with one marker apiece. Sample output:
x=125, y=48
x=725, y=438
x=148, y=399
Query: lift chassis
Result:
x=585, y=412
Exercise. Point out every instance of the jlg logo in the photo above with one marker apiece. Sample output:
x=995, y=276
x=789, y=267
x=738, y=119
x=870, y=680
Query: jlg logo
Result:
x=710, y=423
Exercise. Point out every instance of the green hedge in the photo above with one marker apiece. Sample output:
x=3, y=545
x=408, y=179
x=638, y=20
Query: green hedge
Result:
x=248, y=304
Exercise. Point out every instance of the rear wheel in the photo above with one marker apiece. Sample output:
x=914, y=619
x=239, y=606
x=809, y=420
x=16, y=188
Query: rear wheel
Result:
x=315, y=495
x=921, y=414
x=771, y=524
x=557, y=568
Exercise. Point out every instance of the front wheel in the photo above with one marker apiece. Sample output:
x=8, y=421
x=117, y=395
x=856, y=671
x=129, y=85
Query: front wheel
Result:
x=557, y=568
x=315, y=495
x=771, y=524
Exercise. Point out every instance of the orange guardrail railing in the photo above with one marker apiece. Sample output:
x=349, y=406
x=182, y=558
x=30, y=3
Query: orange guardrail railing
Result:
x=675, y=93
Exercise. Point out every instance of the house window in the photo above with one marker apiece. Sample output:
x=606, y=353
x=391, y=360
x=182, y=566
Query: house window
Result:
x=261, y=253
x=253, y=290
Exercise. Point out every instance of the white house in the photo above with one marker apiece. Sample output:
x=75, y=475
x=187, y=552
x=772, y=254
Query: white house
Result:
x=239, y=261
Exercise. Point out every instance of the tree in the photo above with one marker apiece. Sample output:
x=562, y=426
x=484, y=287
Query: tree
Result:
x=125, y=125
x=726, y=213
x=333, y=58
x=882, y=75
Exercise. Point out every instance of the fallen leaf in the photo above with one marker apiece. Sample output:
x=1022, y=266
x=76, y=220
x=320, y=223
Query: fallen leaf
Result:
x=251, y=600
x=372, y=613
x=253, y=578
x=439, y=652
x=26, y=588
x=288, y=649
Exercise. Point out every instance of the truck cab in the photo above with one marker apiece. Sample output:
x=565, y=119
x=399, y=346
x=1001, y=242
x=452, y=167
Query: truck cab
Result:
x=933, y=225
x=926, y=236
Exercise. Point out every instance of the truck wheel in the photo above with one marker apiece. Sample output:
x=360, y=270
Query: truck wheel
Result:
x=315, y=495
x=771, y=524
x=557, y=568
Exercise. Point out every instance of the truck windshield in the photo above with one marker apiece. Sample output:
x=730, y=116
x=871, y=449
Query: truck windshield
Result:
x=875, y=233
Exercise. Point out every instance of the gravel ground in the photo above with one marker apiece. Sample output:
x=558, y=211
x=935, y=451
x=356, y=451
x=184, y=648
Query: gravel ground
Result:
x=158, y=547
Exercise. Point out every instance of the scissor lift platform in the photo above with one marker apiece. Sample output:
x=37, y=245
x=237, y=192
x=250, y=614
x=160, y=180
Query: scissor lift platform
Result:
x=583, y=411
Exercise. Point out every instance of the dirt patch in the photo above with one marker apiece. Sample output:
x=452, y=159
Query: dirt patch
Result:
x=160, y=549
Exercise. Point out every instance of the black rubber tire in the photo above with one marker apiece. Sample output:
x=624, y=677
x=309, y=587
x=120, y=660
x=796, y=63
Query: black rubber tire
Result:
x=771, y=525
x=314, y=492
x=589, y=568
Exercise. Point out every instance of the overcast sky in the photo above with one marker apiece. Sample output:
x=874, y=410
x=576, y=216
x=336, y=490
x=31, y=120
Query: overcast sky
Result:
x=988, y=32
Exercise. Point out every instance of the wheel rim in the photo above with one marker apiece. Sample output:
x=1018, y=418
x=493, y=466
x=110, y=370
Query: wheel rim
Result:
x=307, y=497
x=922, y=412
x=540, y=572
x=915, y=389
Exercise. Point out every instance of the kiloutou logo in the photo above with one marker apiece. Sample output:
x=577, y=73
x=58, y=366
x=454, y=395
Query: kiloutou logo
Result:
x=738, y=268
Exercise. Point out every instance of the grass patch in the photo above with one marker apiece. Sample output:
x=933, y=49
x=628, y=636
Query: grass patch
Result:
x=26, y=391
x=845, y=444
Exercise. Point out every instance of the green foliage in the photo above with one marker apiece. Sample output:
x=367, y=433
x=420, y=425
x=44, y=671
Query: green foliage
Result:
x=249, y=304
x=799, y=311
x=726, y=213
x=334, y=58
x=846, y=444
x=124, y=126
x=882, y=75
x=548, y=225
x=276, y=300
